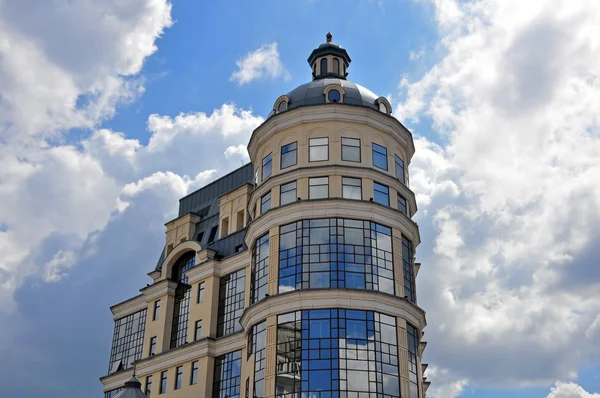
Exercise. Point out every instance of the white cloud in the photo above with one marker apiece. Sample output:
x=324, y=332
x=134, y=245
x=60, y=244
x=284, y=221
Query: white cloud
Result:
x=239, y=151
x=569, y=390
x=414, y=55
x=261, y=63
x=67, y=64
x=509, y=204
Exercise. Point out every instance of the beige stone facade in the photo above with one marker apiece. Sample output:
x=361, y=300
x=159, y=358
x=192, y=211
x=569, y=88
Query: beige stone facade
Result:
x=241, y=212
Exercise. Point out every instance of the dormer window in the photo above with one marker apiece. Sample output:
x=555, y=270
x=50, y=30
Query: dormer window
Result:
x=384, y=105
x=282, y=106
x=323, y=66
x=334, y=96
x=383, y=108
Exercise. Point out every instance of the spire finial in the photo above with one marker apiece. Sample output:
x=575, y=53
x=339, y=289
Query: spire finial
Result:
x=329, y=36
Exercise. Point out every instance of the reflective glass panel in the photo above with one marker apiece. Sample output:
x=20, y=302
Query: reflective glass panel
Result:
x=260, y=269
x=227, y=377
x=408, y=270
x=318, y=149
x=288, y=193
x=351, y=149
x=289, y=155
x=379, y=156
x=334, y=96
x=181, y=308
x=399, y=168
x=351, y=188
x=265, y=203
x=381, y=194
x=231, y=303
x=267, y=164
x=318, y=188
x=128, y=341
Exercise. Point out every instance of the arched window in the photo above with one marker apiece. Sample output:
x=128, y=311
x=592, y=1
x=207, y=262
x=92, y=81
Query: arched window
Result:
x=336, y=66
x=183, y=292
x=333, y=96
x=315, y=69
x=383, y=108
x=323, y=66
x=282, y=106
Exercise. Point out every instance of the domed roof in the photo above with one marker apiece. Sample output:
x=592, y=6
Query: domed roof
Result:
x=311, y=93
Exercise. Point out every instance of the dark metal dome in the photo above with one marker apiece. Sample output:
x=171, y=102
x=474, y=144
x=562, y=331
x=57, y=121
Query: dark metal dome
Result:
x=312, y=94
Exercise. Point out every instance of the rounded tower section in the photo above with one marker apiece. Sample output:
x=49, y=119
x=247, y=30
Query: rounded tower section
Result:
x=333, y=306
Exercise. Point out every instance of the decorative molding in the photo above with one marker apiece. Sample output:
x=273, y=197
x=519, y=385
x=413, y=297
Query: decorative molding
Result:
x=333, y=298
x=129, y=307
x=159, y=289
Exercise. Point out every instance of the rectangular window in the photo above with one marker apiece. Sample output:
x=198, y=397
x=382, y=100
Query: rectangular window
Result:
x=413, y=350
x=289, y=155
x=201, y=292
x=260, y=269
x=351, y=149
x=318, y=149
x=382, y=194
x=265, y=203
x=318, y=187
x=259, y=348
x=267, y=166
x=178, y=377
x=351, y=188
x=128, y=341
x=399, y=168
x=227, y=375
x=152, y=346
x=163, y=381
x=148, y=388
x=198, y=331
x=194, y=373
x=402, y=204
x=213, y=234
x=231, y=303
x=380, y=156
x=156, y=314
x=288, y=193
x=407, y=270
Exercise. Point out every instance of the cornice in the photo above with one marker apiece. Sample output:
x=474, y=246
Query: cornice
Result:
x=333, y=298
x=159, y=289
x=129, y=307
x=218, y=268
x=327, y=112
x=116, y=380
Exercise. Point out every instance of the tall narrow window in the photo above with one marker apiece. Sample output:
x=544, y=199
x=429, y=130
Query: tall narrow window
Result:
x=213, y=234
x=288, y=193
x=156, y=314
x=224, y=227
x=336, y=66
x=152, y=346
x=148, y=388
x=323, y=66
x=380, y=156
x=198, y=330
x=318, y=149
x=194, y=373
x=382, y=194
x=407, y=270
x=402, y=204
x=181, y=307
x=289, y=155
x=318, y=187
x=201, y=287
x=259, y=349
x=351, y=188
x=413, y=350
x=178, y=377
x=399, y=168
x=265, y=203
x=267, y=168
x=240, y=220
x=227, y=375
x=351, y=149
x=260, y=269
x=163, y=381
x=231, y=303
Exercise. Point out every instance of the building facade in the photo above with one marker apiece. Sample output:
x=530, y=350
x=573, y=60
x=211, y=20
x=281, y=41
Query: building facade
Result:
x=292, y=276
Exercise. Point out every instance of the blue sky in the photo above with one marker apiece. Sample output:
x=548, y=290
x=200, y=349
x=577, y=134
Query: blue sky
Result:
x=111, y=111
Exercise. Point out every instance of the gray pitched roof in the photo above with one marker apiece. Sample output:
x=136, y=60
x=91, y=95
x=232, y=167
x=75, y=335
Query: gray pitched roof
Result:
x=132, y=389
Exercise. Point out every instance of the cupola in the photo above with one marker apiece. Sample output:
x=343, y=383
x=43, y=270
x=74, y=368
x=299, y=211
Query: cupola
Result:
x=329, y=60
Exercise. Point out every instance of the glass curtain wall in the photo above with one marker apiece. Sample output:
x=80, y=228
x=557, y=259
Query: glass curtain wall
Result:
x=183, y=291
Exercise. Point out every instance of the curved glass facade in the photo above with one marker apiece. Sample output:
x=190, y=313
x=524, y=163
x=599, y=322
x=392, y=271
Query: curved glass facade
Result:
x=260, y=269
x=335, y=353
x=335, y=253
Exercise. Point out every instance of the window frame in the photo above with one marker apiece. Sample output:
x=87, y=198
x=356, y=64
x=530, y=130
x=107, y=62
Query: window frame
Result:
x=198, y=330
x=282, y=192
x=263, y=201
x=148, y=385
x=310, y=185
x=194, y=368
x=349, y=185
x=402, y=204
x=351, y=146
x=156, y=312
x=387, y=193
x=178, y=378
x=164, y=375
x=295, y=150
x=201, y=290
x=268, y=162
x=374, y=147
x=311, y=146
x=152, y=350
x=399, y=163
x=322, y=63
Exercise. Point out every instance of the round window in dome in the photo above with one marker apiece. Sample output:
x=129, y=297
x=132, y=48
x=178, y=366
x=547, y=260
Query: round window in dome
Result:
x=333, y=96
x=383, y=108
